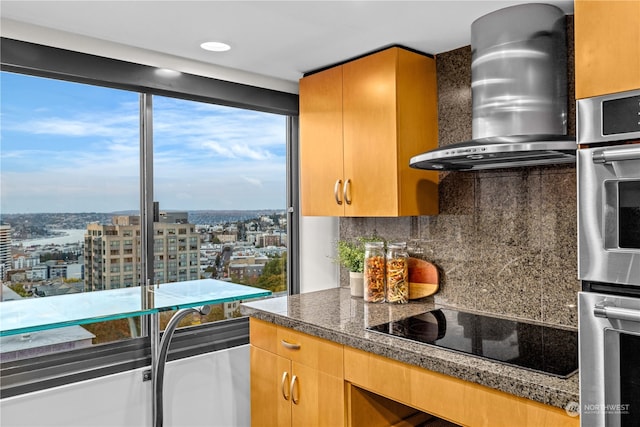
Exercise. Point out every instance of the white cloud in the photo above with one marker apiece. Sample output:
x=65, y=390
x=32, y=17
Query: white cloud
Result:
x=86, y=125
x=217, y=148
x=243, y=150
x=253, y=181
x=202, y=157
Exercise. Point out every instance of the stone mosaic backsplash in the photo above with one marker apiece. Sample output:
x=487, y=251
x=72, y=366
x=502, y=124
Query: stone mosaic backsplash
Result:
x=505, y=240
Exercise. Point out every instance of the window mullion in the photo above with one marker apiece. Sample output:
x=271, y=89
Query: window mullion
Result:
x=146, y=204
x=293, y=205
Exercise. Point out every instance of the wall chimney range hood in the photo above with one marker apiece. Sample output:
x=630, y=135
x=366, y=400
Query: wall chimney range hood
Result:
x=519, y=94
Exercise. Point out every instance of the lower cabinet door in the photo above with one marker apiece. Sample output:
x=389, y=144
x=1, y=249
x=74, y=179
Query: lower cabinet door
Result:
x=317, y=398
x=270, y=389
x=285, y=393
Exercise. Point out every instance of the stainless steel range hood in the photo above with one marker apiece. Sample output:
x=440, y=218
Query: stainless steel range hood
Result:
x=519, y=94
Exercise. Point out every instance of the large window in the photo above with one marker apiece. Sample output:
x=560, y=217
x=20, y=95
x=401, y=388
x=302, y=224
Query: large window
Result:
x=220, y=183
x=70, y=197
x=69, y=164
x=73, y=180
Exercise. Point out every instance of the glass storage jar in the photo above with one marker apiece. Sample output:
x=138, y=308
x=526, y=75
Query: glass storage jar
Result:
x=374, y=262
x=397, y=273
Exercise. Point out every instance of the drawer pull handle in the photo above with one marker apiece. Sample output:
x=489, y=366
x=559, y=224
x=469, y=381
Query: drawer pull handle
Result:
x=346, y=191
x=285, y=378
x=336, y=191
x=294, y=390
x=290, y=346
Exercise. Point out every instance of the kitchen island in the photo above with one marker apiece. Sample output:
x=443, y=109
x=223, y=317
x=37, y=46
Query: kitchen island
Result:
x=333, y=315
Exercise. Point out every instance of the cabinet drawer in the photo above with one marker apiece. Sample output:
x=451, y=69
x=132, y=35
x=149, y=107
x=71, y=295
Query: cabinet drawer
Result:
x=449, y=398
x=310, y=351
x=298, y=347
x=263, y=335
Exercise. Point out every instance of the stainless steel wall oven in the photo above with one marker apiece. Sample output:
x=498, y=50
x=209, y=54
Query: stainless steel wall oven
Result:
x=609, y=259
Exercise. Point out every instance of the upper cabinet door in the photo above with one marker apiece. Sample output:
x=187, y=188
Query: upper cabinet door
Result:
x=387, y=114
x=390, y=115
x=370, y=135
x=321, y=157
x=607, y=46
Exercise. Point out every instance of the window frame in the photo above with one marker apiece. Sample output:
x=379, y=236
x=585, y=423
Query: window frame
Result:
x=33, y=374
x=58, y=369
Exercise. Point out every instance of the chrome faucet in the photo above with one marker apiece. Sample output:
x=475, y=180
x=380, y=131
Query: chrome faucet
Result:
x=161, y=361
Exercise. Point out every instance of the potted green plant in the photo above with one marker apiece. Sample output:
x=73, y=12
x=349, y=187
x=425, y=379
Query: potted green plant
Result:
x=350, y=255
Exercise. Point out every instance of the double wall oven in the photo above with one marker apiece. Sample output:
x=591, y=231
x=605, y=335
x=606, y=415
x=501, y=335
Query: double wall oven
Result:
x=609, y=259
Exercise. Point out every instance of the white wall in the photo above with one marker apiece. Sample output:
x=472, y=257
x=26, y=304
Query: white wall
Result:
x=207, y=390
x=318, y=236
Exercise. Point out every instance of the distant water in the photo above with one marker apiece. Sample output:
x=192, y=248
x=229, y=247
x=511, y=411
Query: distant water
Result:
x=71, y=236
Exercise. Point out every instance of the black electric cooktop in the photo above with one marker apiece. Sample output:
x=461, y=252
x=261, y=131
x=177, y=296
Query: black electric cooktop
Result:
x=539, y=348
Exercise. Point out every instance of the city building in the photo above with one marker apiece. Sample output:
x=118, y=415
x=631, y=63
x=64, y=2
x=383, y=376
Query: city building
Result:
x=5, y=250
x=273, y=239
x=227, y=237
x=23, y=261
x=174, y=217
x=231, y=308
x=244, y=271
x=38, y=272
x=112, y=252
x=57, y=270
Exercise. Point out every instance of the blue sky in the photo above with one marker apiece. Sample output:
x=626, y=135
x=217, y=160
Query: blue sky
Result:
x=69, y=147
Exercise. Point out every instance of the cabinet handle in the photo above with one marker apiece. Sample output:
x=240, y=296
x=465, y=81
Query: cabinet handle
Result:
x=294, y=390
x=610, y=155
x=290, y=345
x=346, y=190
x=285, y=377
x=336, y=191
x=612, y=312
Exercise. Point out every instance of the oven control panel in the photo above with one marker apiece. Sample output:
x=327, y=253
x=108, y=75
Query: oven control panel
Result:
x=609, y=118
x=621, y=116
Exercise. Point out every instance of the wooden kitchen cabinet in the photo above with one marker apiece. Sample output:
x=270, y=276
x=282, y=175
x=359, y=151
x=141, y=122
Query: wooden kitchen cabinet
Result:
x=321, y=157
x=339, y=386
x=451, y=399
x=296, y=379
x=607, y=46
x=360, y=123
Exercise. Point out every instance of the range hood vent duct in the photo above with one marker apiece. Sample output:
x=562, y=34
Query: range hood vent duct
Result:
x=519, y=94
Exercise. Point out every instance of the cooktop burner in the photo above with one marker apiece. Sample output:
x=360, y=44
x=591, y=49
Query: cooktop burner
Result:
x=539, y=348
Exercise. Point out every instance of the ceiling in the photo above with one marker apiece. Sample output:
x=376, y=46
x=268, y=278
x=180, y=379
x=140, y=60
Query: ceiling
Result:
x=278, y=39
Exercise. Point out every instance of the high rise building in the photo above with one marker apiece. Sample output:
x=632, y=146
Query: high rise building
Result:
x=112, y=252
x=5, y=250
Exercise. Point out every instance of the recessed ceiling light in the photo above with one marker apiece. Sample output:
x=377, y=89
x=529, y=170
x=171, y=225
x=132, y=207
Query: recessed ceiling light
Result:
x=215, y=46
x=166, y=72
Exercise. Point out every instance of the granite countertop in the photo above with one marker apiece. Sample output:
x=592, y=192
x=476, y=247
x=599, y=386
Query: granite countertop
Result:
x=334, y=315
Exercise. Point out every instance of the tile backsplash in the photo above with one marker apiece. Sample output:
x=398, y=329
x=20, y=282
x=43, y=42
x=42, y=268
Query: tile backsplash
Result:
x=505, y=241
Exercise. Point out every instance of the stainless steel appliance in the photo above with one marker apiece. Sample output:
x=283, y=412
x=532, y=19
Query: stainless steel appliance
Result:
x=609, y=214
x=519, y=93
x=609, y=259
x=609, y=189
x=609, y=340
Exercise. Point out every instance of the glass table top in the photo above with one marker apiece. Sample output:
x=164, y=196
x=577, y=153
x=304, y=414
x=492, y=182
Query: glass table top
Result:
x=37, y=314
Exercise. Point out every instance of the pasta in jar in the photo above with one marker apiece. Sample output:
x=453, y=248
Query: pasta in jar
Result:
x=397, y=272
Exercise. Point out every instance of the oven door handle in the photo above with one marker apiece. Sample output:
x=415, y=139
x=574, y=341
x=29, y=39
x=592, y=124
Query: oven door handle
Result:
x=616, y=154
x=610, y=312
